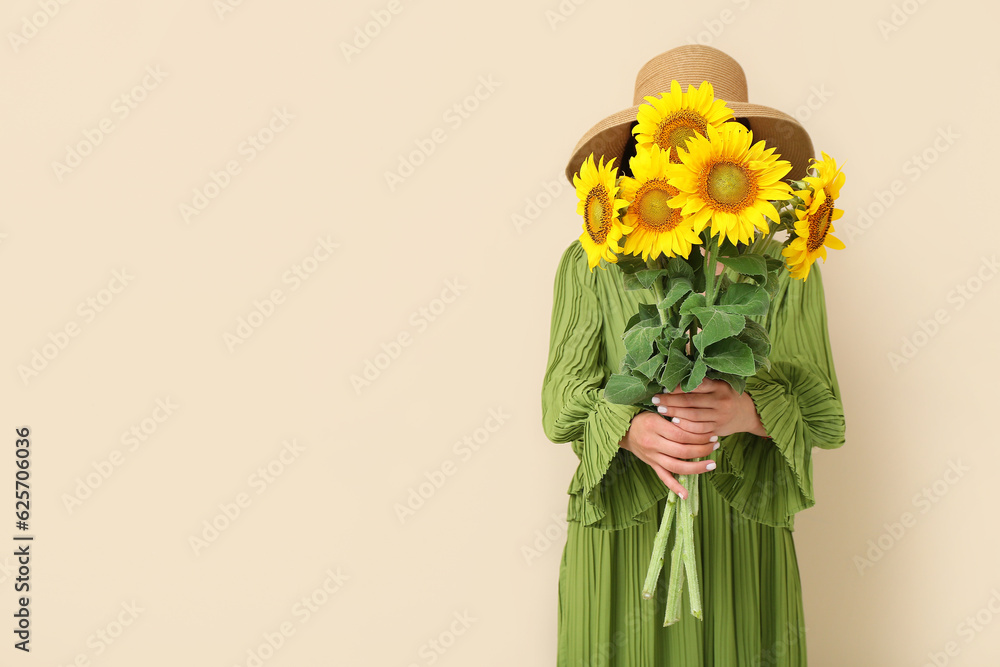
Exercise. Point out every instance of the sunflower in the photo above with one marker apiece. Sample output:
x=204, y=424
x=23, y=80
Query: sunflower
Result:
x=671, y=119
x=727, y=180
x=599, y=205
x=828, y=177
x=814, y=223
x=656, y=226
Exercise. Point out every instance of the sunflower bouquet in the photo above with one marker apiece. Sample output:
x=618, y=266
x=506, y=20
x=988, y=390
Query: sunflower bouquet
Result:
x=701, y=192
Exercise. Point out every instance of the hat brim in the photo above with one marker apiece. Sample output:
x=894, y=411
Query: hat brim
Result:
x=779, y=130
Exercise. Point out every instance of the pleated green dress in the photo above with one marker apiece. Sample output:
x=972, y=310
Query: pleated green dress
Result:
x=751, y=591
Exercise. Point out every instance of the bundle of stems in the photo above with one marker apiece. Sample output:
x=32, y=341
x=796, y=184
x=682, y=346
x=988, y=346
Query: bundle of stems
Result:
x=683, y=563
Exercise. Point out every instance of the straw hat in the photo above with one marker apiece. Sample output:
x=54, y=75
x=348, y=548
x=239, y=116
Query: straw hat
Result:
x=690, y=65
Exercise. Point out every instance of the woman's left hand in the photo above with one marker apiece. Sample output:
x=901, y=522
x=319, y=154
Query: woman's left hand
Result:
x=711, y=407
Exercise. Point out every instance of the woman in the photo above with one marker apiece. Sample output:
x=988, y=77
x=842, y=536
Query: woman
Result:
x=759, y=470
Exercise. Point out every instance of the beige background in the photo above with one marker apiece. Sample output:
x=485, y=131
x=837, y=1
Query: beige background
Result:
x=434, y=281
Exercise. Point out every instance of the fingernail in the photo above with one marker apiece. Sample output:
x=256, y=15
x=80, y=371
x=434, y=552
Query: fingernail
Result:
x=655, y=400
x=713, y=438
x=710, y=466
x=676, y=420
x=662, y=410
x=717, y=445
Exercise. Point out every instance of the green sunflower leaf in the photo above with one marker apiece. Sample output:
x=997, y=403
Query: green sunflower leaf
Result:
x=679, y=286
x=678, y=267
x=629, y=264
x=630, y=282
x=627, y=389
x=650, y=369
x=677, y=367
x=648, y=316
x=749, y=264
x=759, y=362
x=667, y=337
x=633, y=321
x=755, y=336
x=691, y=302
x=697, y=263
x=649, y=312
x=639, y=343
x=737, y=382
x=745, y=299
x=647, y=276
x=726, y=247
x=731, y=356
x=773, y=281
x=698, y=371
x=716, y=325
x=773, y=264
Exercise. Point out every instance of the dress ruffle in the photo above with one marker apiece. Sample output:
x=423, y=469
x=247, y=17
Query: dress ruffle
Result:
x=612, y=489
x=770, y=479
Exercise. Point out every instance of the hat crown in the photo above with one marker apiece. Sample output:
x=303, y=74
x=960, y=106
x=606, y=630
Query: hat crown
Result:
x=691, y=65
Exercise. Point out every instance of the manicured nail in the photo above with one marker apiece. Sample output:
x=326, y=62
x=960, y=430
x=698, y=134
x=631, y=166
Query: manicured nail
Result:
x=662, y=410
x=717, y=445
x=714, y=438
x=655, y=400
x=710, y=466
x=676, y=420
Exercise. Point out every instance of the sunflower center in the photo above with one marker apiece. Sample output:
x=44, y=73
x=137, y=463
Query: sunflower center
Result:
x=819, y=224
x=677, y=128
x=728, y=183
x=598, y=213
x=653, y=209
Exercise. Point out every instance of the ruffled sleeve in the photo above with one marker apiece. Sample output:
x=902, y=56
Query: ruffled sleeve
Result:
x=770, y=479
x=613, y=489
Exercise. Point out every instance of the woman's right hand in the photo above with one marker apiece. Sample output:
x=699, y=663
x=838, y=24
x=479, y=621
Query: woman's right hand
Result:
x=666, y=448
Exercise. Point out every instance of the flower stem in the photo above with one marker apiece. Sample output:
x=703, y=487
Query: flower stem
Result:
x=711, y=265
x=709, y=275
x=690, y=565
x=659, y=548
x=694, y=496
x=658, y=287
x=676, y=582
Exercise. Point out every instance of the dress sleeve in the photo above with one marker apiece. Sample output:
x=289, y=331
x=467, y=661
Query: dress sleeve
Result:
x=770, y=479
x=617, y=488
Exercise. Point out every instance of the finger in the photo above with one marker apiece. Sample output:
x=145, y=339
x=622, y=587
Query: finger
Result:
x=706, y=385
x=669, y=480
x=688, y=432
x=682, y=467
x=686, y=452
x=696, y=433
x=684, y=400
x=704, y=413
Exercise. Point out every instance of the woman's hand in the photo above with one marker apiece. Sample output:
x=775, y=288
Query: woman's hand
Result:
x=665, y=447
x=713, y=406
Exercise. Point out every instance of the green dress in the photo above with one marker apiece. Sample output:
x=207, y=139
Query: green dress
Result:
x=751, y=592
